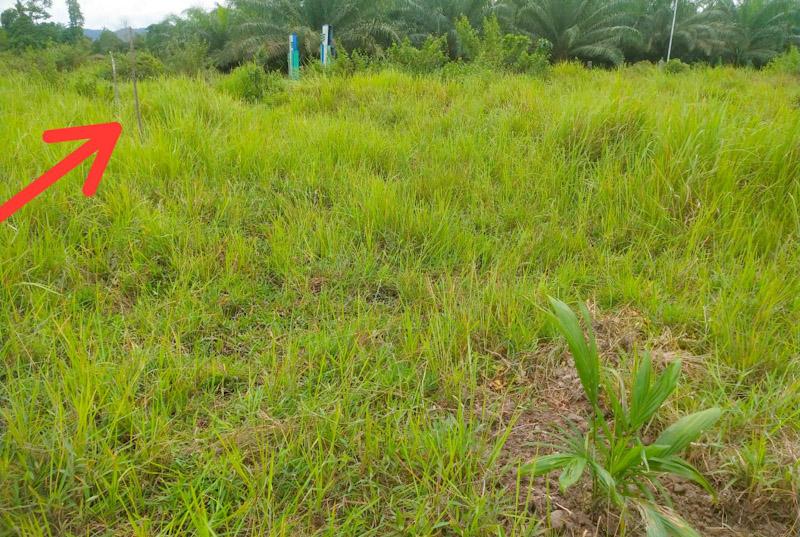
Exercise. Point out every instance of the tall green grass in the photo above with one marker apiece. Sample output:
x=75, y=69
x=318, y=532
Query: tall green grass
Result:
x=282, y=318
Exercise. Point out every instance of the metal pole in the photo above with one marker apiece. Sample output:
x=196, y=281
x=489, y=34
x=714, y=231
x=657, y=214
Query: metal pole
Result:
x=672, y=31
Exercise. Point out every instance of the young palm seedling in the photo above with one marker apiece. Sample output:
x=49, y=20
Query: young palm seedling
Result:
x=625, y=471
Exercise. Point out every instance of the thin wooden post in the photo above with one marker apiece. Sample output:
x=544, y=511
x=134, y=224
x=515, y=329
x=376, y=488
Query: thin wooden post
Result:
x=114, y=77
x=135, y=90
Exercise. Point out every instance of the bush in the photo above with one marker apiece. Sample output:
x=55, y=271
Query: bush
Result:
x=48, y=62
x=250, y=83
x=29, y=62
x=87, y=80
x=84, y=84
x=536, y=63
x=188, y=58
x=787, y=63
x=147, y=66
x=674, y=67
x=430, y=57
x=348, y=64
x=469, y=42
x=68, y=57
x=494, y=50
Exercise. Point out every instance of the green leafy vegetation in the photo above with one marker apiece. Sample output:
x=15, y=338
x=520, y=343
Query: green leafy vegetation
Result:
x=319, y=311
x=493, y=50
x=675, y=67
x=590, y=30
x=426, y=59
x=788, y=63
x=625, y=470
x=516, y=34
x=250, y=83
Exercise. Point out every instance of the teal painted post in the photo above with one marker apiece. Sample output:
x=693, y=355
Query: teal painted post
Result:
x=294, y=57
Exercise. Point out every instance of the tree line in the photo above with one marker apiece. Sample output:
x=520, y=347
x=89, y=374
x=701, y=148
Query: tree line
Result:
x=26, y=25
x=605, y=32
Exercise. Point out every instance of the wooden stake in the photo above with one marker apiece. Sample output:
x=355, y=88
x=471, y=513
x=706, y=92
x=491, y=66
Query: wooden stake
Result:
x=135, y=90
x=116, y=89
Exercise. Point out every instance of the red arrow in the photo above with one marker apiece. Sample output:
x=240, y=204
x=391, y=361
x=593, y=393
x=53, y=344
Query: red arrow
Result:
x=101, y=138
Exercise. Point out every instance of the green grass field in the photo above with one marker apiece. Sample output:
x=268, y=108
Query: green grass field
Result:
x=325, y=314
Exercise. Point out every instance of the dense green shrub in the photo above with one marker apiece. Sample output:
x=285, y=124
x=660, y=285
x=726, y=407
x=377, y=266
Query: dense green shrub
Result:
x=87, y=83
x=68, y=57
x=428, y=58
x=27, y=62
x=495, y=50
x=533, y=63
x=246, y=82
x=84, y=84
x=788, y=63
x=48, y=62
x=469, y=42
x=188, y=57
x=349, y=64
x=249, y=82
x=108, y=41
x=344, y=65
x=147, y=66
x=675, y=66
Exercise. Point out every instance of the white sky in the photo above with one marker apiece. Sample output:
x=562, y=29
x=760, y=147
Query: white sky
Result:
x=114, y=13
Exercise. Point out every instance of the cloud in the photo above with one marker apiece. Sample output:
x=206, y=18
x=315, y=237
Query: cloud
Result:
x=116, y=13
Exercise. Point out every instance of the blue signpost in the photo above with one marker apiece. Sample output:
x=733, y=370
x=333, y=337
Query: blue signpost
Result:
x=294, y=57
x=327, y=52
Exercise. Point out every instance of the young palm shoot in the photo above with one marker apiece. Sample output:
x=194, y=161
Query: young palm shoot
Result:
x=625, y=471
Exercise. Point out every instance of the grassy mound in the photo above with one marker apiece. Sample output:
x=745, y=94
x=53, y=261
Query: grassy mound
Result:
x=324, y=313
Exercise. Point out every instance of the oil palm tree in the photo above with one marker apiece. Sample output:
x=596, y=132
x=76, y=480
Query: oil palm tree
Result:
x=700, y=31
x=507, y=13
x=214, y=26
x=761, y=29
x=263, y=26
x=419, y=19
x=584, y=29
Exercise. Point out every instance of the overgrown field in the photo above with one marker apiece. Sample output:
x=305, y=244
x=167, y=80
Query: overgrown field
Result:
x=325, y=313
